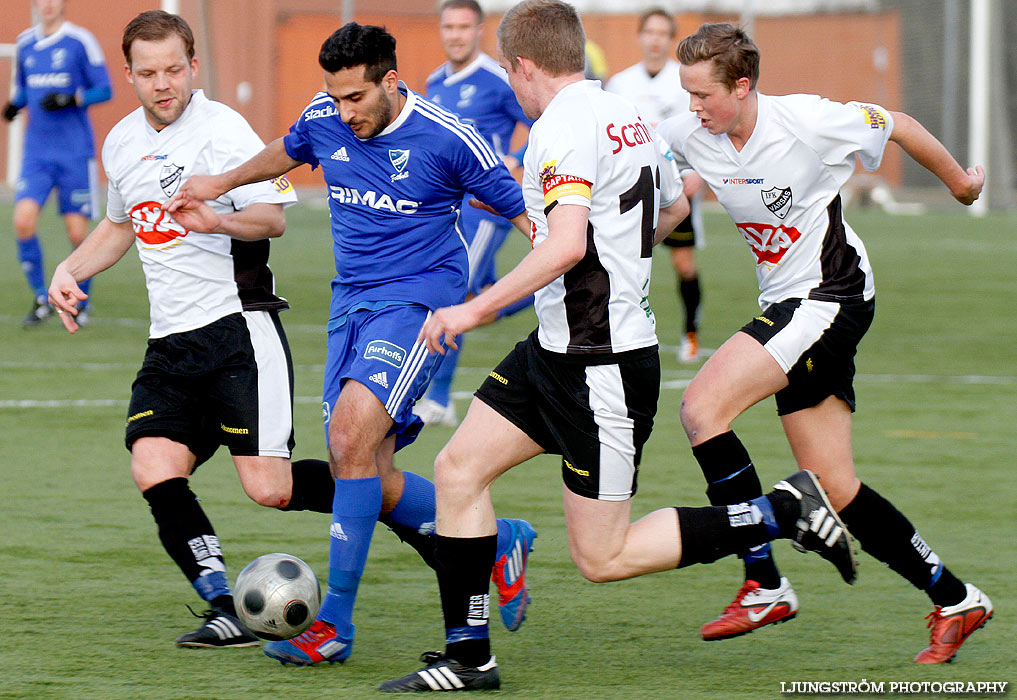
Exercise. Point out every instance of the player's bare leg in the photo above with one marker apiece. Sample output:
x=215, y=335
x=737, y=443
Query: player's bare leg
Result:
x=607, y=547
x=820, y=439
x=739, y=374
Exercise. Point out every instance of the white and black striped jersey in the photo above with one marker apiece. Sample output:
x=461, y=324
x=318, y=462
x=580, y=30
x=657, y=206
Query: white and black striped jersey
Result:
x=657, y=97
x=783, y=190
x=590, y=148
x=193, y=278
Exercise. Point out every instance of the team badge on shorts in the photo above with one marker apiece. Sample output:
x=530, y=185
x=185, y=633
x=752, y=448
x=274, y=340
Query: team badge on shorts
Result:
x=777, y=200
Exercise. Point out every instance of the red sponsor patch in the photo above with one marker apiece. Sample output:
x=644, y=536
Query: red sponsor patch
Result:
x=153, y=225
x=768, y=242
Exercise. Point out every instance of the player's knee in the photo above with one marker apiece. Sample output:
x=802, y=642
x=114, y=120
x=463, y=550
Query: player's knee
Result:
x=24, y=225
x=268, y=495
x=452, y=477
x=595, y=567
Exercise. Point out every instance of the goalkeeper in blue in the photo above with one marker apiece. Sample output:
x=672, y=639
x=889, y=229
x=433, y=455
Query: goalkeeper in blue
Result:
x=59, y=71
x=397, y=168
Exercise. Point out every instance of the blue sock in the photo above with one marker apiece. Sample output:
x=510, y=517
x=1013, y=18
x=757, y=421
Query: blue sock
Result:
x=441, y=383
x=355, y=510
x=516, y=306
x=767, y=515
x=415, y=509
x=30, y=257
x=212, y=585
x=86, y=287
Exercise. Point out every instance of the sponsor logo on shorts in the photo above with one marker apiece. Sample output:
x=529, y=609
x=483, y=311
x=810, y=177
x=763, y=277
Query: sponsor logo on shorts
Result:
x=234, y=431
x=498, y=378
x=386, y=352
x=764, y=319
x=380, y=378
x=777, y=200
x=138, y=416
x=577, y=470
x=326, y=412
x=809, y=366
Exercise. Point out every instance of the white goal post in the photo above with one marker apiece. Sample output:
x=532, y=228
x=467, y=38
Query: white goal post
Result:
x=16, y=129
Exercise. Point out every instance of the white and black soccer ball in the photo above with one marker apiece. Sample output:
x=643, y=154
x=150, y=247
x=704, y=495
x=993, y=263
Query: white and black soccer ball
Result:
x=277, y=596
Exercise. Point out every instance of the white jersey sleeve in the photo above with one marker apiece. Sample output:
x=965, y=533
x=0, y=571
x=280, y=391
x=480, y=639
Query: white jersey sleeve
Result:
x=836, y=130
x=235, y=142
x=568, y=163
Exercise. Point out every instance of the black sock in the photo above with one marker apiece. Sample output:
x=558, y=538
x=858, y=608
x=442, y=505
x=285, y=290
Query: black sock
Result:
x=887, y=535
x=464, y=567
x=691, y=295
x=189, y=539
x=731, y=478
x=313, y=486
x=424, y=544
x=717, y=531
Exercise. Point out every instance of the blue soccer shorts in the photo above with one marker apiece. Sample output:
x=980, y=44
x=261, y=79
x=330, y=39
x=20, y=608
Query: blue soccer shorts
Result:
x=379, y=349
x=74, y=179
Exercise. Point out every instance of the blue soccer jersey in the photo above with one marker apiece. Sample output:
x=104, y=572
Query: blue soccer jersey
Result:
x=394, y=200
x=481, y=96
x=68, y=61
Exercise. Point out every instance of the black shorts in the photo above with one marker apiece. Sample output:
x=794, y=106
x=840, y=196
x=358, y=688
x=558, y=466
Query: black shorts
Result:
x=683, y=236
x=814, y=342
x=228, y=383
x=596, y=416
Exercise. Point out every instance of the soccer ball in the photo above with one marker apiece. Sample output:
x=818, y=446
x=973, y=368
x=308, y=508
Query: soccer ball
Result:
x=277, y=596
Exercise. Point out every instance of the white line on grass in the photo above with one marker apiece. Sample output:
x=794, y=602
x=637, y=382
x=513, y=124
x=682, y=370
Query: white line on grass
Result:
x=669, y=384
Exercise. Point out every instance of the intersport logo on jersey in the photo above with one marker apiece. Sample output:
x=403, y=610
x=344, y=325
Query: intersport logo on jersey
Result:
x=769, y=243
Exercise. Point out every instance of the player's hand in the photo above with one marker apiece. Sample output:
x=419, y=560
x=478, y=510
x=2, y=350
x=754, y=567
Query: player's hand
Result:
x=64, y=295
x=440, y=331
x=197, y=216
x=477, y=204
x=58, y=100
x=973, y=187
x=10, y=111
x=197, y=189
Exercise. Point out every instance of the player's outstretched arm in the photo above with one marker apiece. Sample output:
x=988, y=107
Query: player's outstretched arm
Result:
x=253, y=223
x=917, y=142
x=671, y=216
x=564, y=246
x=100, y=251
x=268, y=164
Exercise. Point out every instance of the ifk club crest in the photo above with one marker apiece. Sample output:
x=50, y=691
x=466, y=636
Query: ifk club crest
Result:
x=399, y=157
x=777, y=200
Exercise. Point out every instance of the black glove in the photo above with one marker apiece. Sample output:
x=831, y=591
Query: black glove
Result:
x=58, y=100
x=10, y=111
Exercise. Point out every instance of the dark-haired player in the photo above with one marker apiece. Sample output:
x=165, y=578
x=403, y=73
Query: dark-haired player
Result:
x=777, y=165
x=397, y=168
x=217, y=370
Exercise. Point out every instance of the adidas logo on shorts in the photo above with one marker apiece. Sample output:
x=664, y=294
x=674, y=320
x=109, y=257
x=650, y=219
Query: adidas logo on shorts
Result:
x=380, y=378
x=341, y=155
